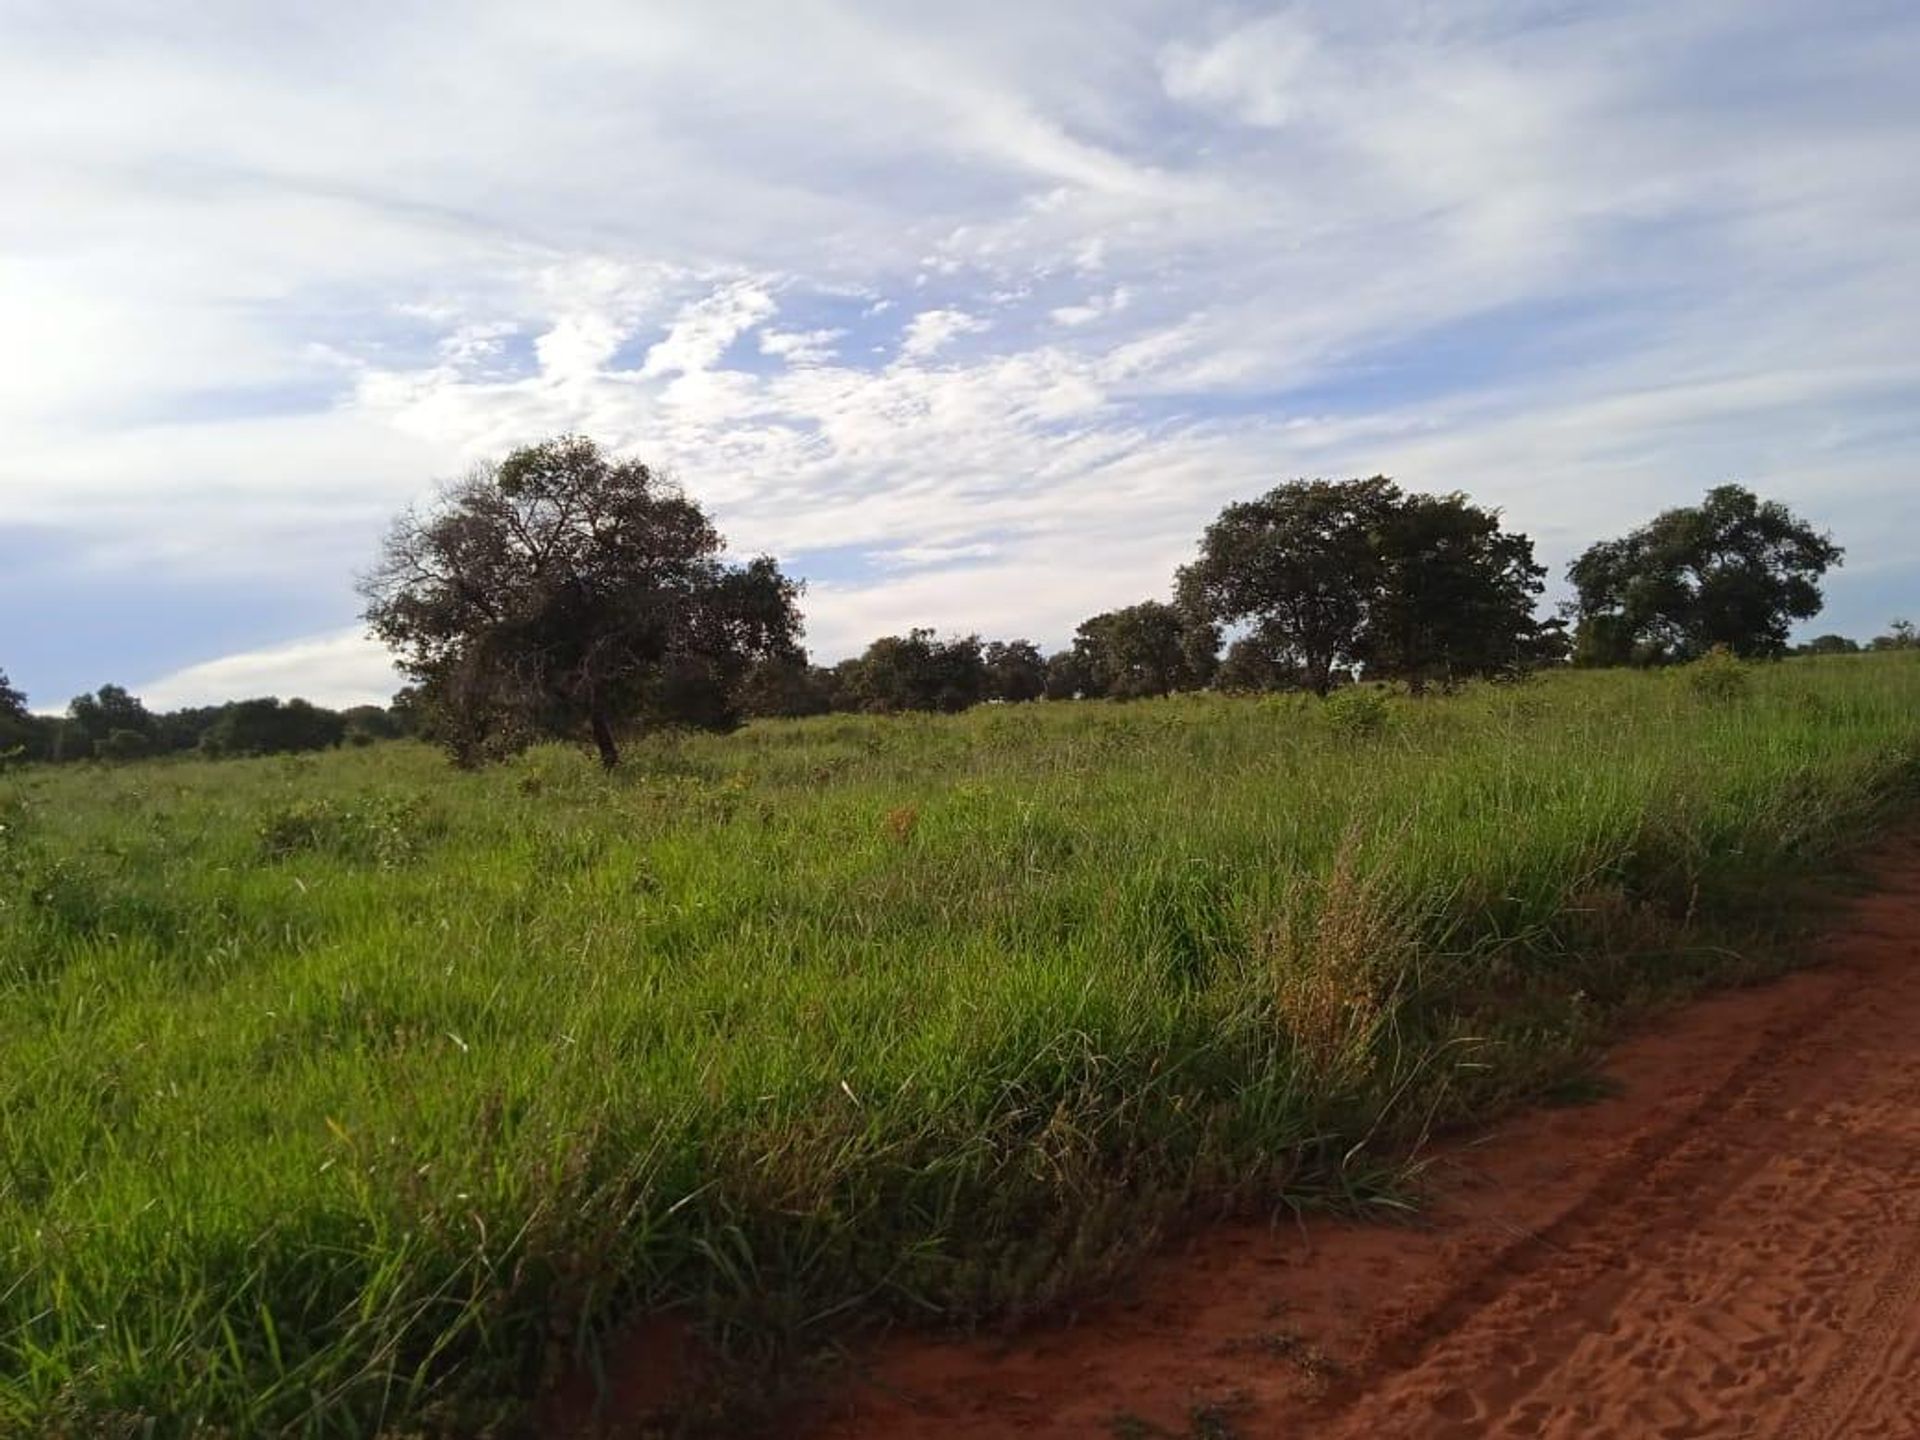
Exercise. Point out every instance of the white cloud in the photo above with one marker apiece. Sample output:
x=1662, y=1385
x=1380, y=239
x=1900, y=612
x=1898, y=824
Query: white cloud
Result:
x=336, y=670
x=1582, y=263
x=703, y=330
x=800, y=347
x=930, y=330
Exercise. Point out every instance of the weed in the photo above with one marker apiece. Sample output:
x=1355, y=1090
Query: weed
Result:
x=1357, y=713
x=1720, y=677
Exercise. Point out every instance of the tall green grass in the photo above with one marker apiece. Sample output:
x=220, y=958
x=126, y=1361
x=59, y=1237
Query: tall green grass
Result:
x=354, y=1092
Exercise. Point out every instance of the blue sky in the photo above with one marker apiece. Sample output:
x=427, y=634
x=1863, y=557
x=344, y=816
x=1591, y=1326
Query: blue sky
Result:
x=973, y=315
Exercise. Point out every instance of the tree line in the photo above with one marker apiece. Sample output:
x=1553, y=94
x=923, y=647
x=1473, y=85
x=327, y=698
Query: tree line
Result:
x=566, y=593
x=111, y=724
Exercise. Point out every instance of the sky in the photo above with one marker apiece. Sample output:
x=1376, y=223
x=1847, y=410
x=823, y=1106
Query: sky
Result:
x=973, y=315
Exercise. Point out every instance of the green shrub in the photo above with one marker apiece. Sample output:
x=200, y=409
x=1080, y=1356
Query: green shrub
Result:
x=381, y=830
x=1719, y=677
x=1358, y=712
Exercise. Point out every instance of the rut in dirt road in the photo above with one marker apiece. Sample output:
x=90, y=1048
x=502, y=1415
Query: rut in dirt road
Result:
x=1755, y=1270
x=1728, y=1247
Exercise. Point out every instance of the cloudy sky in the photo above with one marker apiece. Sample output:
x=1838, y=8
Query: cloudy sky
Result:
x=973, y=314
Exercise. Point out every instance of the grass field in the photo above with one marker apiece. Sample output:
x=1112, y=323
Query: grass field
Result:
x=353, y=1092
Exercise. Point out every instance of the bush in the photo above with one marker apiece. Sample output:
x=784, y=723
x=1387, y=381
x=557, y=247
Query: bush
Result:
x=1719, y=677
x=382, y=830
x=1356, y=713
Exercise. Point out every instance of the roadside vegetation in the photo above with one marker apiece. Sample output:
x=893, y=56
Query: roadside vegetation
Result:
x=354, y=1091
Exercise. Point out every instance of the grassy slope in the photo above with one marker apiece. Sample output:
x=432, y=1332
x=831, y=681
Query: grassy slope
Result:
x=352, y=1091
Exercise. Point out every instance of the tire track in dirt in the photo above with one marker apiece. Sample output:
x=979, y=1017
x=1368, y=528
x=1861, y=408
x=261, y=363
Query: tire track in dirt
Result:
x=1730, y=1246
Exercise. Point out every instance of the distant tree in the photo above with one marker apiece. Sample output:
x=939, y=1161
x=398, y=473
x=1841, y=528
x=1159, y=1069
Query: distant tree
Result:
x=19, y=734
x=1828, y=645
x=365, y=724
x=108, y=709
x=1323, y=576
x=1257, y=661
x=562, y=590
x=917, y=671
x=1016, y=670
x=123, y=745
x=1301, y=565
x=268, y=727
x=786, y=686
x=408, y=710
x=1455, y=597
x=183, y=729
x=845, y=685
x=1069, y=677
x=1733, y=571
x=1900, y=636
x=1147, y=649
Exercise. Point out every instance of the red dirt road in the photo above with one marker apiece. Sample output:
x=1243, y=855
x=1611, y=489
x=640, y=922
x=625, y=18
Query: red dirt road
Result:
x=1728, y=1246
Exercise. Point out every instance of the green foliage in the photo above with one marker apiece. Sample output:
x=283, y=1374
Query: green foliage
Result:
x=381, y=829
x=123, y=745
x=1720, y=677
x=1143, y=650
x=1900, y=636
x=1829, y=645
x=1358, y=712
x=1733, y=571
x=110, y=708
x=563, y=592
x=1015, y=671
x=1456, y=597
x=268, y=727
x=916, y=671
x=1326, y=576
x=1300, y=565
x=350, y=1094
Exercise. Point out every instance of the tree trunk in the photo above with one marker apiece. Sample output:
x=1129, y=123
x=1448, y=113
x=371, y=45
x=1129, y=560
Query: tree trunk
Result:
x=603, y=738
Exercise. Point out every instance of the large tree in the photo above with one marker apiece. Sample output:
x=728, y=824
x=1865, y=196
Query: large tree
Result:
x=1016, y=670
x=13, y=704
x=1456, y=597
x=563, y=590
x=1147, y=649
x=1300, y=566
x=94, y=720
x=1322, y=576
x=1733, y=571
x=1069, y=677
x=917, y=671
x=786, y=686
x=268, y=727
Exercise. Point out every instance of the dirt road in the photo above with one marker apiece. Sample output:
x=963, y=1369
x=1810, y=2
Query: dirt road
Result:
x=1727, y=1246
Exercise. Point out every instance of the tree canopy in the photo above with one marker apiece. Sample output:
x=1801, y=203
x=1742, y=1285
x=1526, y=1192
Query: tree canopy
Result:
x=1015, y=670
x=1733, y=571
x=269, y=727
x=108, y=709
x=1455, y=596
x=917, y=671
x=1323, y=575
x=561, y=591
x=1147, y=649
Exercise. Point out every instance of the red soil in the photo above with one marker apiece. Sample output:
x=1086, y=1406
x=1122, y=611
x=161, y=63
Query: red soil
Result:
x=1729, y=1245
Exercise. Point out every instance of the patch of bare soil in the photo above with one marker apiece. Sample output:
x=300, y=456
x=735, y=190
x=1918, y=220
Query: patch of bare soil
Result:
x=1728, y=1245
